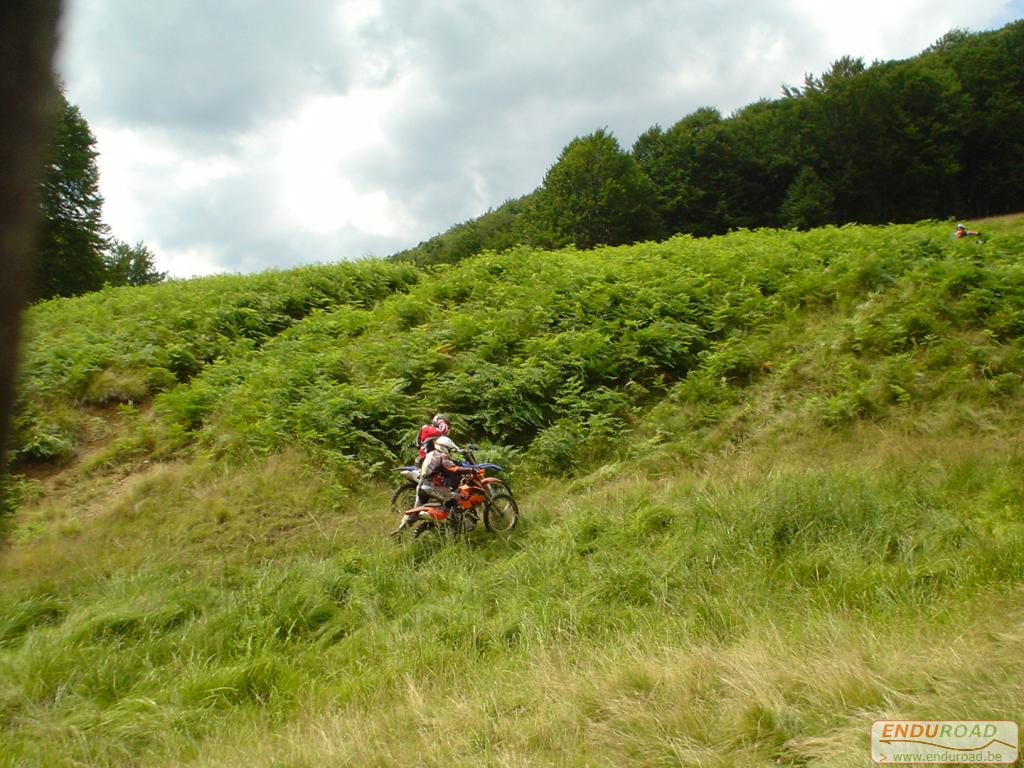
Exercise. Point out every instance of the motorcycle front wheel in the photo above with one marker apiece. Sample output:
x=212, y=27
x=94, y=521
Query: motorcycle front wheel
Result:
x=419, y=530
x=403, y=498
x=447, y=529
x=501, y=513
x=496, y=487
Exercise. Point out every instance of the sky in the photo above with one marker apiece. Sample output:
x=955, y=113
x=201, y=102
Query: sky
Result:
x=245, y=135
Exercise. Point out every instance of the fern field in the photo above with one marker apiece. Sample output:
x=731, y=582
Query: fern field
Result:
x=548, y=354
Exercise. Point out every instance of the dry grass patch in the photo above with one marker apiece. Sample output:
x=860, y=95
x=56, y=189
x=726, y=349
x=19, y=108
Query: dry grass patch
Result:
x=777, y=696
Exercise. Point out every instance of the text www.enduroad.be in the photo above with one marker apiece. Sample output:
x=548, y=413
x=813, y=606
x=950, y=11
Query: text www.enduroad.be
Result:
x=948, y=757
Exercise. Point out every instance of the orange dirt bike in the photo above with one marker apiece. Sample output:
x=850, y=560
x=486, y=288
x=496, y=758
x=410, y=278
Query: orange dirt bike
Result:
x=478, y=496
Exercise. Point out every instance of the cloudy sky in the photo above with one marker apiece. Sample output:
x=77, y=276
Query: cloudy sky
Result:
x=242, y=135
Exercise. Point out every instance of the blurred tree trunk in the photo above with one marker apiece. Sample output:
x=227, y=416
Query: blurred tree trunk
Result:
x=28, y=30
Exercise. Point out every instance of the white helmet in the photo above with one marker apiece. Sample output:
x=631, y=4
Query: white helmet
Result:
x=445, y=445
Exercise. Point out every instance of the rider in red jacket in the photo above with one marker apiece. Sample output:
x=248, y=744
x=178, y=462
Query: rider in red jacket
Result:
x=439, y=426
x=962, y=231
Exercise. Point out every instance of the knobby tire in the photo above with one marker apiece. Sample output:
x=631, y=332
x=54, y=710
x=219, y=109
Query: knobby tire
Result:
x=404, y=498
x=501, y=513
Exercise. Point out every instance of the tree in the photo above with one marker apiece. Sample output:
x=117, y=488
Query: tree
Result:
x=72, y=236
x=131, y=265
x=768, y=150
x=594, y=195
x=808, y=203
x=990, y=69
x=695, y=171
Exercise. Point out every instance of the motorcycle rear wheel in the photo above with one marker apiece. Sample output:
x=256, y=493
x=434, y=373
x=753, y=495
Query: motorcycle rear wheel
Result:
x=447, y=529
x=501, y=513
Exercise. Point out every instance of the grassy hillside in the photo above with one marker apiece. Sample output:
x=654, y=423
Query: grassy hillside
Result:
x=123, y=345
x=772, y=485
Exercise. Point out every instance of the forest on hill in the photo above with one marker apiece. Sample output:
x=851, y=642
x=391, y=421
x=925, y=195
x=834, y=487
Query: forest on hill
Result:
x=934, y=136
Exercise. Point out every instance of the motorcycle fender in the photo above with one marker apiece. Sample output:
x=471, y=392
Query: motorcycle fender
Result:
x=429, y=513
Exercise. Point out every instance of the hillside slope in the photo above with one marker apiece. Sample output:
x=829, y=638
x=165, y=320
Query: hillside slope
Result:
x=772, y=486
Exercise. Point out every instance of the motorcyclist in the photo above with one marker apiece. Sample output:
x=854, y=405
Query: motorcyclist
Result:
x=437, y=427
x=439, y=476
x=962, y=231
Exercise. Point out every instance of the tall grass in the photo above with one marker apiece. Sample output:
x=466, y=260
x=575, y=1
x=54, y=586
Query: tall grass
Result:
x=760, y=617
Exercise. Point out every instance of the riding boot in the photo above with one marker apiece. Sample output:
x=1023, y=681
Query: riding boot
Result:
x=407, y=520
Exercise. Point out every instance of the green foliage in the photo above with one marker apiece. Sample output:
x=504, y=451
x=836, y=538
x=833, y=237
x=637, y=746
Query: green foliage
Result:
x=809, y=202
x=695, y=168
x=72, y=236
x=497, y=230
x=552, y=354
x=14, y=490
x=123, y=345
x=132, y=265
x=990, y=73
x=595, y=194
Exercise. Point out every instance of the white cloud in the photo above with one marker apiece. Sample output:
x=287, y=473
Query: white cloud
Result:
x=132, y=165
x=883, y=29
x=192, y=174
x=190, y=262
x=317, y=150
x=355, y=13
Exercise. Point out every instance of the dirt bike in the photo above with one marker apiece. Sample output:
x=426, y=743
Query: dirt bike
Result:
x=477, y=495
x=459, y=516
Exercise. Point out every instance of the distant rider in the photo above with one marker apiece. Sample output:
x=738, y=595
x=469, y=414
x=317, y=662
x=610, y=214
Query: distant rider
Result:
x=962, y=231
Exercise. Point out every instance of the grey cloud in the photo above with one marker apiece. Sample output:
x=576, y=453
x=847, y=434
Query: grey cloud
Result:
x=518, y=81
x=237, y=217
x=202, y=67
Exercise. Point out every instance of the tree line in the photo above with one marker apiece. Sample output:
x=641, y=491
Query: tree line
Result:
x=935, y=136
x=75, y=251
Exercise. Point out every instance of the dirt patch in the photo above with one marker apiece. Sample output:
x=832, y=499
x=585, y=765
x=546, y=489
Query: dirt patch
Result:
x=101, y=425
x=1006, y=218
